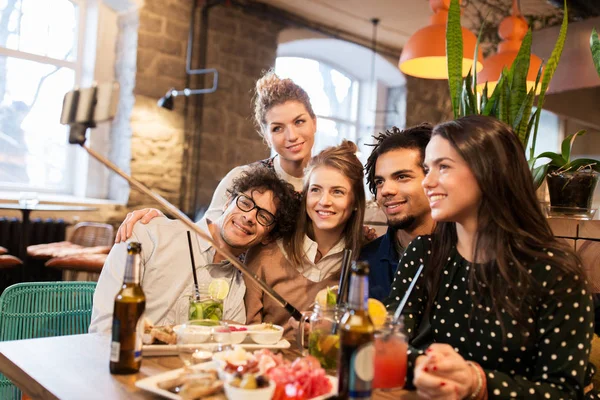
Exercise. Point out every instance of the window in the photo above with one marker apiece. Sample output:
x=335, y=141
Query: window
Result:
x=39, y=63
x=333, y=94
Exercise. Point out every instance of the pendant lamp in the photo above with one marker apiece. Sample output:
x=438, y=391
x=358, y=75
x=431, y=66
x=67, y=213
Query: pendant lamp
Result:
x=424, y=55
x=512, y=30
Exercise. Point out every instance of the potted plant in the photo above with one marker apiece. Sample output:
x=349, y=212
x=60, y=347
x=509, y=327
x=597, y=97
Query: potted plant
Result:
x=571, y=183
x=510, y=102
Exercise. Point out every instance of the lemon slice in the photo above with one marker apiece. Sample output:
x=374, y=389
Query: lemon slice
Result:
x=218, y=289
x=377, y=312
x=327, y=297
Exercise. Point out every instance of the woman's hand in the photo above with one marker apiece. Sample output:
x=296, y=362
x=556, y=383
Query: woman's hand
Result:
x=443, y=374
x=144, y=216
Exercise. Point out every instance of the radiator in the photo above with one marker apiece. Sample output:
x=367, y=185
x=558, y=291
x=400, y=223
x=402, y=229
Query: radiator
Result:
x=39, y=231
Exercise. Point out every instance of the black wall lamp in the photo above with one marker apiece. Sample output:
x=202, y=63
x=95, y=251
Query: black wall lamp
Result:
x=168, y=100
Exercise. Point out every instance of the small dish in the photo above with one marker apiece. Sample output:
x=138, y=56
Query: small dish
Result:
x=238, y=333
x=191, y=334
x=234, y=393
x=266, y=333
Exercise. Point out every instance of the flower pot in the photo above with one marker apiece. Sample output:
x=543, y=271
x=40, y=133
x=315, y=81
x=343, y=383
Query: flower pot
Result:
x=571, y=190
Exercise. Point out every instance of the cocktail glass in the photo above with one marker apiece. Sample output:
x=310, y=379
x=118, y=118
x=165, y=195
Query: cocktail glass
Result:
x=323, y=339
x=204, y=306
x=390, y=356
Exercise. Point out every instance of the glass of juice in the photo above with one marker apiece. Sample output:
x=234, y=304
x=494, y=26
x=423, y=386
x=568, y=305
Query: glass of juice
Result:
x=390, y=356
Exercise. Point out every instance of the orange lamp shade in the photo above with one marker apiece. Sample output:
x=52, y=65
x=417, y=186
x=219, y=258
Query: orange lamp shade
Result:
x=493, y=66
x=512, y=30
x=424, y=55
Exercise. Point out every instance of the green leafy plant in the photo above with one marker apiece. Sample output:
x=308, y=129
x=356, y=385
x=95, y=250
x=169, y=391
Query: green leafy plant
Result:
x=595, y=48
x=561, y=162
x=510, y=101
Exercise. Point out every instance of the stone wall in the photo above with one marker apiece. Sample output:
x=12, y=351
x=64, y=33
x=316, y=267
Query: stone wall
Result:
x=157, y=140
x=241, y=47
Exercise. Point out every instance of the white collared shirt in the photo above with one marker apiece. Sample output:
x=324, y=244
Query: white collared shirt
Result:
x=329, y=264
x=166, y=276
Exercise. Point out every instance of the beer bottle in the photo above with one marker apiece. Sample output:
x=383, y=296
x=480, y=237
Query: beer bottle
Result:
x=128, y=318
x=356, y=355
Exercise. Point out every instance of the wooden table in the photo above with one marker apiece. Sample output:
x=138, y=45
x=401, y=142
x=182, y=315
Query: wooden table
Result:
x=76, y=367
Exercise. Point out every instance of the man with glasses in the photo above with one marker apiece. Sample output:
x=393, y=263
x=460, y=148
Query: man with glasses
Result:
x=260, y=208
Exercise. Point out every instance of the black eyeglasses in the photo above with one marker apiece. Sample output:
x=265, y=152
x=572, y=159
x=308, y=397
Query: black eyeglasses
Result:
x=246, y=204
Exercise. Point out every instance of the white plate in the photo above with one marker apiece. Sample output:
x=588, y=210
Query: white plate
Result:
x=153, y=350
x=150, y=384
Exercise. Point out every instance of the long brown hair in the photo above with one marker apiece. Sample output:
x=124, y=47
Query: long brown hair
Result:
x=343, y=158
x=512, y=231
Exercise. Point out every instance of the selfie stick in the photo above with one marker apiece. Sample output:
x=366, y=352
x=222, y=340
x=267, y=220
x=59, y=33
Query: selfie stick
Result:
x=83, y=109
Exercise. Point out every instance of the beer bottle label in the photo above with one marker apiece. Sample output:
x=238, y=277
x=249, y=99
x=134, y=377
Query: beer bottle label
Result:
x=115, y=345
x=361, y=372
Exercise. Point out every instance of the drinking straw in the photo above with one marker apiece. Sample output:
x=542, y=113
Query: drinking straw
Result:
x=406, y=295
x=343, y=285
x=196, y=294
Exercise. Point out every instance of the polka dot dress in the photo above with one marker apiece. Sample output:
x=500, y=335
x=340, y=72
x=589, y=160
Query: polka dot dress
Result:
x=549, y=365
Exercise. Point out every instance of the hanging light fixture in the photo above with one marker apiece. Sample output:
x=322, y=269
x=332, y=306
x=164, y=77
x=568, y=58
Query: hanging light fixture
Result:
x=512, y=30
x=424, y=54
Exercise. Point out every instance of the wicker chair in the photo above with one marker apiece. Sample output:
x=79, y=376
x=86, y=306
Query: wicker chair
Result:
x=42, y=309
x=95, y=240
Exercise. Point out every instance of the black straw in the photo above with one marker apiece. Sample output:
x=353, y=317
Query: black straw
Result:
x=196, y=294
x=343, y=286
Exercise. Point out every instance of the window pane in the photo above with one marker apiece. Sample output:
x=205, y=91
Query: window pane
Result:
x=34, y=150
x=46, y=28
x=331, y=133
x=332, y=93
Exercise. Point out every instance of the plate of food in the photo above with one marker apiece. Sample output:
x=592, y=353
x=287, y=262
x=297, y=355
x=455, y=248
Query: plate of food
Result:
x=208, y=334
x=241, y=375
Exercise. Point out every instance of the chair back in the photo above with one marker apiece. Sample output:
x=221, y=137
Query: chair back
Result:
x=41, y=309
x=89, y=234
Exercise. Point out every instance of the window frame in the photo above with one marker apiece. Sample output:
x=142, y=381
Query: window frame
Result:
x=355, y=81
x=73, y=171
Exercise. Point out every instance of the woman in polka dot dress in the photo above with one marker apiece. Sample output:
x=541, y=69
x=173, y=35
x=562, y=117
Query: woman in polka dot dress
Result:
x=517, y=323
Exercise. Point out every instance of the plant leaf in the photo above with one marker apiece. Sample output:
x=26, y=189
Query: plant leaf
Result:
x=549, y=72
x=484, y=98
x=522, y=118
x=556, y=160
x=472, y=100
x=595, y=47
x=454, y=54
x=581, y=162
x=475, y=54
x=491, y=104
x=539, y=174
x=567, y=144
x=518, y=89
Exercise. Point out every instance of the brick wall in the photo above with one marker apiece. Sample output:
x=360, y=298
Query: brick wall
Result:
x=157, y=139
x=240, y=47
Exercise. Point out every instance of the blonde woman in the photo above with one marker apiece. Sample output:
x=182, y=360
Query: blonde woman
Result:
x=287, y=122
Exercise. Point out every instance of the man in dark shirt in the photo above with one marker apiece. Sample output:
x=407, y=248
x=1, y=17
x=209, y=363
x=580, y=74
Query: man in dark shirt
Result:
x=394, y=174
